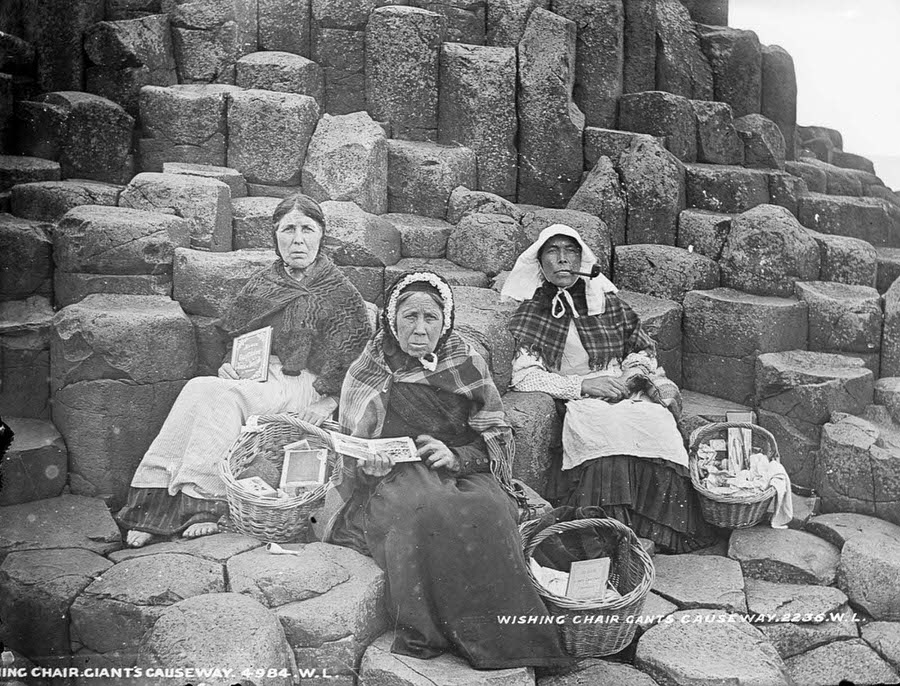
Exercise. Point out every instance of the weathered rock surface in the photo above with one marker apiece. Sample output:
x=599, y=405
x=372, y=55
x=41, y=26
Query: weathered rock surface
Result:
x=602, y=195
x=764, y=144
x=718, y=141
x=347, y=160
x=47, y=201
x=869, y=219
x=97, y=239
x=231, y=177
x=25, y=327
x=477, y=110
x=723, y=586
x=536, y=428
x=550, y=124
x=664, y=271
x=268, y=134
x=284, y=72
x=239, y=632
x=724, y=331
x=487, y=242
x=735, y=59
x=654, y=181
x=204, y=203
x=830, y=664
x=703, y=232
x=360, y=238
x=867, y=573
x=422, y=175
x=143, y=339
x=664, y=115
x=34, y=466
x=721, y=188
x=767, y=252
x=784, y=556
x=846, y=260
x=681, y=67
x=420, y=236
x=686, y=652
x=69, y=521
x=37, y=588
x=206, y=283
x=842, y=317
x=116, y=611
x=403, y=46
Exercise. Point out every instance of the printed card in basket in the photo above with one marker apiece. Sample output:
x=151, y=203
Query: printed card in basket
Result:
x=401, y=449
x=250, y=354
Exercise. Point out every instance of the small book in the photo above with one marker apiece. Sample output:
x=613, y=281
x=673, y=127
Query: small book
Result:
x=401, y=448
x=587, y=579
x=302, y=469
x=250, y=354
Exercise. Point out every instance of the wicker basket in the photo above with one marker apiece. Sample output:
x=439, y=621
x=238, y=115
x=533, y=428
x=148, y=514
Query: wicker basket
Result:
x=278, y=520
x=631, y=574
x=732, y=511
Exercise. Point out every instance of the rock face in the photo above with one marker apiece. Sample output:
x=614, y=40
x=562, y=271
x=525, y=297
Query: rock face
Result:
x=37, y=588
x=239, y=632
x=767, y=252
x=784, y=556
x=857, y=471
x=183, y=123
x=49, y=200
x=654, y=182
x=347, y=160
x=842, y=318
x=204, y=203
x=764, y=144
x=550, y=124
x=718, y=141
x=735, y=58
x=34, y=467
x=601, y=194
x=88, y=135
x=683, y=652
x=488, y=242
x=600, y=56
x=362, y=239
x=284, y=72
x=665, y=115
x=25, y=357
x=116, y=611
x=724, y=332
x=477, y=109
x=681, y=67
x=664, y=271
x=206, y=283
x=720, y=188
x=268, y=134
x=869, y=564
x=403, y=47
x=676, y=580
x=422, y=175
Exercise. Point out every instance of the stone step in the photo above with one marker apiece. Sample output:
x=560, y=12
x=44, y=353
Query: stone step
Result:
x=35, y=465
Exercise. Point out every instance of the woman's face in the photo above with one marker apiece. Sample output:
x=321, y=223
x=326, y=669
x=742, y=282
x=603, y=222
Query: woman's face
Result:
x=419, y=324
x=298, y=238
x=560, y=257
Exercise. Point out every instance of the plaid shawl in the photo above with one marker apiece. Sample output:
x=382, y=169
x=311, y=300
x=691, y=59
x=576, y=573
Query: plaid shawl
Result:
x=460, y=370
x=611, y=335
x=323, y=324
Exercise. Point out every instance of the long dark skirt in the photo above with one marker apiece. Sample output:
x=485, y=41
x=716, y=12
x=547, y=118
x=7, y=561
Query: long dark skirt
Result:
x=454, y=563
x=155, y=511
x=653, y=497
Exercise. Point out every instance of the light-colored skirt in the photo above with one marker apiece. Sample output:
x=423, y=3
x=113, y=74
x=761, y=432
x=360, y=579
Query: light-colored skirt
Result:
x=204, y=422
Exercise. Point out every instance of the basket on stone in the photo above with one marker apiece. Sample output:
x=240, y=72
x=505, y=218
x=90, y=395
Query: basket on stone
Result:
x=280, y=518
x=605, y=623
x=745, y=507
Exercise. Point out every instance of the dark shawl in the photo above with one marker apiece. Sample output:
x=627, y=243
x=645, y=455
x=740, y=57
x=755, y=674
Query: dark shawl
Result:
x=613, y=334
x=323, y=324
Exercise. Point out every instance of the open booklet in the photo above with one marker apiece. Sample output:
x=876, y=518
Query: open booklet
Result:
x=401, y=449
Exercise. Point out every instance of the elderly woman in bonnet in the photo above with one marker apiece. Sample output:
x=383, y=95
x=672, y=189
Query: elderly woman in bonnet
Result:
x=621, y=448
x=319, y=325
x=443, y=528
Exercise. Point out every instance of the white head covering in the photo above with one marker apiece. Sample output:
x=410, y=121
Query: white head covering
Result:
x=526, y=275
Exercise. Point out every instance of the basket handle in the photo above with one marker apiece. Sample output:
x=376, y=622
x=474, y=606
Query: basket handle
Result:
x=703, y=431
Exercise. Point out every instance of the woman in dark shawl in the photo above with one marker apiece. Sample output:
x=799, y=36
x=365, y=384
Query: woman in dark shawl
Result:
x=320, y=325
x=443, y=528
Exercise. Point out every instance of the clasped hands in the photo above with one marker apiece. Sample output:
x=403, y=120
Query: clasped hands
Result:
x=430, y=450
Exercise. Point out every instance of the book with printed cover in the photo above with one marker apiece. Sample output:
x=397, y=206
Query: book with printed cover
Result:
x=250, y=354
x=401, y=449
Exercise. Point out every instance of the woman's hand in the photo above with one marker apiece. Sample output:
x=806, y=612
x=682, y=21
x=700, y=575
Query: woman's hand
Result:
x=435, y=454
x=319, y=411
x=226, y=371
x=605, y=387
x=377, y=465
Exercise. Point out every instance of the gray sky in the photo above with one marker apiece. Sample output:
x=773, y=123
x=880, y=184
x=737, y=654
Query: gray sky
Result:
x=847, y=57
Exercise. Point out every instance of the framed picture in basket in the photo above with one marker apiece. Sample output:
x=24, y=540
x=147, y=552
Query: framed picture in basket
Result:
x=303, y=468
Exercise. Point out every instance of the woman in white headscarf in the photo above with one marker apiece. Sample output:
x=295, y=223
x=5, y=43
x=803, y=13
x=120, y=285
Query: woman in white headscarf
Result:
x=584, y=346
